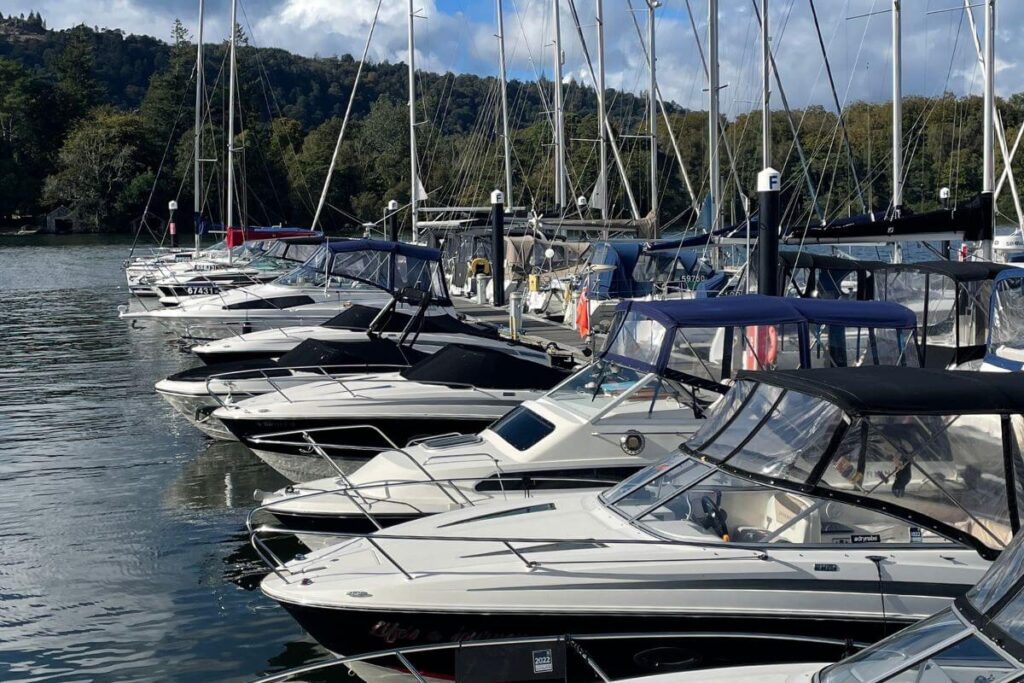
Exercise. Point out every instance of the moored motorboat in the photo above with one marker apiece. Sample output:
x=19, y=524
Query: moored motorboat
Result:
x=341, y=272
x=664, y=364
x=459, y=388
x=841, y=503
x=204, y=279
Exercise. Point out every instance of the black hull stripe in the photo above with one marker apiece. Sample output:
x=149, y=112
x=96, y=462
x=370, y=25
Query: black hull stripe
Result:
x=904, y=588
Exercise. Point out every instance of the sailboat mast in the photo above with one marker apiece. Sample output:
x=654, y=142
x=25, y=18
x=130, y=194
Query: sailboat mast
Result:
x=988, y=182
x=766, y=92
x=504, y=104
x=231, y=121
x=413, y=171
x=897, y=108
x=602, y=173
x=715, y=188
x=897, y=121
x=197, y=133
x=560, y=199
x=652, y=107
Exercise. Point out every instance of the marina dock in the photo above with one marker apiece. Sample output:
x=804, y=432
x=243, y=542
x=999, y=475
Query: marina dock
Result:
x=536, y=329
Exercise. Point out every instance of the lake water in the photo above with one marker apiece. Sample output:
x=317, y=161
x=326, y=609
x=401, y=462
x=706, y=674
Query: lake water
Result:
x=122, y=551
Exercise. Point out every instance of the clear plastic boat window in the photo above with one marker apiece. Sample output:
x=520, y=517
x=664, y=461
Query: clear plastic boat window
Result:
x=999, y=579
x=949, y=468
x=312, y=273
x=721, y=413
x=792, y=441
x=722, y=443
x=1007, y=323
x=844, y=346
x=638, y=337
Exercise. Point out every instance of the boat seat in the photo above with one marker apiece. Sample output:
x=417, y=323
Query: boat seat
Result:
x=780, y=510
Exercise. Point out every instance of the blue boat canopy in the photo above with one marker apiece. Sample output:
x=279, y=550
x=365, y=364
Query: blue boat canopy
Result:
x=856, y=313
x=705, y=341
x=403, y=248
x=395, y=267
x=754, y=309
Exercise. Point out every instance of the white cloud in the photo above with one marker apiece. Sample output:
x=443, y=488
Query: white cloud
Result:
x=938, y=50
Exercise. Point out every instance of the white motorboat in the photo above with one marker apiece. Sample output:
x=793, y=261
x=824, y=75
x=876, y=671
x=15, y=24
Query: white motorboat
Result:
x=459, y=388
x=142, y=271
x=978, y=639
x=838, y=503
x=205, y=278
x=664, y=364
x=341, y=272
x=438, y=326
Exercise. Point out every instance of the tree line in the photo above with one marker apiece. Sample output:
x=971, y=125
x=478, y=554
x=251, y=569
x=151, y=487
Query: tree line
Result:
x=102, y=123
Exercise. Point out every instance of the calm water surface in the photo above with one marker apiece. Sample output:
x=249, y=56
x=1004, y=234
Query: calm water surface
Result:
x=122, y=552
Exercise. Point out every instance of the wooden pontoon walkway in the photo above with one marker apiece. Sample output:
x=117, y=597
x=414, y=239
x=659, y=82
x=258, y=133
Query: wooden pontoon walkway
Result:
x=535, y=329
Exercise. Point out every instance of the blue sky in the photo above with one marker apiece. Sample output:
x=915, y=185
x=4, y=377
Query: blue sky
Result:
x=458, y=35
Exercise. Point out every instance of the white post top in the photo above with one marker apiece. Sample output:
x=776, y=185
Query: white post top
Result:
x=769, y=180
x=497, y=197
x=393, y=205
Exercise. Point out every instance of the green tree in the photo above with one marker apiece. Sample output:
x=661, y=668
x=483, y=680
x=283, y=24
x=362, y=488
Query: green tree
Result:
x=98, y=169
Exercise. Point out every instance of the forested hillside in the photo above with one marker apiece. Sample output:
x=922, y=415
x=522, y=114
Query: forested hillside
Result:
x=102, y=122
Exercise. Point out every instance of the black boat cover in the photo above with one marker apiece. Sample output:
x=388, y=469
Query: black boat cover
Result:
x=359, y=317
x=458, y=364
x=971, y=221
x=877, y=390
x=313, y=352
x=374, y=353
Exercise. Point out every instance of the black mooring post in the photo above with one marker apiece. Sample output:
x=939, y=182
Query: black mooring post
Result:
x=172, y=227
x=391, y=220
x=498, y=247
x=768, y=183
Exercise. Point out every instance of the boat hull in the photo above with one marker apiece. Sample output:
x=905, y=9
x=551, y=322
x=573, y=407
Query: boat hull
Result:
x=198, y=410
x=697, y=641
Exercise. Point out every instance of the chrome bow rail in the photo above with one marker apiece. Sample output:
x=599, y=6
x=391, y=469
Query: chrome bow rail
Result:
x=574, y=644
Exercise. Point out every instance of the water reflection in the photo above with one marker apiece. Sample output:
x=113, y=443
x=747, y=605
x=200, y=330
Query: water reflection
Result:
x=122, y=547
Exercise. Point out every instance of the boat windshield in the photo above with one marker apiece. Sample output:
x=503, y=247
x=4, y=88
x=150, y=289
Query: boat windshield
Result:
x=940, y=648
x=1006, y=336
x=948, y=468
x=312, y=273
x=599, y=386
x=367, y=269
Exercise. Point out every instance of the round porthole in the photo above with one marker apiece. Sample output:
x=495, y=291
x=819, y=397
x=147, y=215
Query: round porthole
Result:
x=632, y=443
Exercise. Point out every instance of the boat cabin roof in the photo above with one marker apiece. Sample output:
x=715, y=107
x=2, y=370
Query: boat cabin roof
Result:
x=959, y=271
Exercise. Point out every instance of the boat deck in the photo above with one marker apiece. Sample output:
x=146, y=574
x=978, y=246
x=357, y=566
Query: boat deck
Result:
x=535, y=328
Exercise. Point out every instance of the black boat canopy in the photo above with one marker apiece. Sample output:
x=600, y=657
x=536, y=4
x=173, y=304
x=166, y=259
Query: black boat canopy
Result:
x=877, y=390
